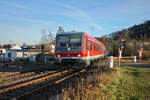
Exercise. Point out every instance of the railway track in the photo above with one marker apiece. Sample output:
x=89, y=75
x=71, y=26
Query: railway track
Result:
x=10, y=74
x=14, y=77
x=23, y=89
x=21, y=78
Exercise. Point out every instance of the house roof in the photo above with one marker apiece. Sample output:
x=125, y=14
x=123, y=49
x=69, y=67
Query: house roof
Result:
x=7, y=46
x=29, y=46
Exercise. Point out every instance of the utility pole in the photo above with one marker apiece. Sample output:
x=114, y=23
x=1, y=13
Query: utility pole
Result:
x=50, y=41
x=92, y=30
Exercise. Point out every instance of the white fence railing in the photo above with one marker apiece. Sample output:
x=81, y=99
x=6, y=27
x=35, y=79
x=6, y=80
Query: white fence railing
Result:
x=111, y=60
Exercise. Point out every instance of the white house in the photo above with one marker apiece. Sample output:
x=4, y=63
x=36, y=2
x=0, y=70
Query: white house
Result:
x=52, y=48
x=2, y=53
x=10, y=52
x=13, y=52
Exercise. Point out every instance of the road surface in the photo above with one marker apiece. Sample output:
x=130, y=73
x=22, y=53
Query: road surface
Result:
x=137, y=65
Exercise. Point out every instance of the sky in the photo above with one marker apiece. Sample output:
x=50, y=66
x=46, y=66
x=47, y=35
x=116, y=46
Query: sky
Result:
x=23, y=20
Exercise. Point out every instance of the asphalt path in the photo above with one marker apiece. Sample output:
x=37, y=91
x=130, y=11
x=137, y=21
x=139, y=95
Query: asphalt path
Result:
x=137, y=65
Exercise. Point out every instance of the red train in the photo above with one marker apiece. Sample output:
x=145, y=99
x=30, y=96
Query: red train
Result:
x=77, y=47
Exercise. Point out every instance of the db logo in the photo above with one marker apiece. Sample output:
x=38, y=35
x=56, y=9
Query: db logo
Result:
x=68, y=49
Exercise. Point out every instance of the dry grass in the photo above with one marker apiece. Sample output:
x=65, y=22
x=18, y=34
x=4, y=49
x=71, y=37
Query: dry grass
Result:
x=119, y=84
x=93, y=87
x=146, y=54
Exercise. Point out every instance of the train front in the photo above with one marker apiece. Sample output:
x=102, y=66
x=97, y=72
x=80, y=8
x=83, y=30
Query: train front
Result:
x=69, y=47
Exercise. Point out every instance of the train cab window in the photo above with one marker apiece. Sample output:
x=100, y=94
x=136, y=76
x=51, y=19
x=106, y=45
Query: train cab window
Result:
x=87, y=44
x=63, y=41
x=73, y=41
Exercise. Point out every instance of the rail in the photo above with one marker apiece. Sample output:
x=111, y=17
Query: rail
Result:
x=67, y=74
x=31, y=82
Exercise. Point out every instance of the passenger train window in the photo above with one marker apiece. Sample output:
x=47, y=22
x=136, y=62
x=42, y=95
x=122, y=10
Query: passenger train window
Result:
x=87, y=44
x=100, y=48
x=91, y=45
x=97, y=47
x=94, y=46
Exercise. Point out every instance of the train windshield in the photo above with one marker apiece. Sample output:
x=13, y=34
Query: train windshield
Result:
x=72, y=41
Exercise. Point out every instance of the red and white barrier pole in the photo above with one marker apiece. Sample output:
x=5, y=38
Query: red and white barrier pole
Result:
x=140, y=54
x=120, y=52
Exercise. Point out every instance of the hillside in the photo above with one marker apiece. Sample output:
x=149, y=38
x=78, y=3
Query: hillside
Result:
x=133, y=37
x=137, y=32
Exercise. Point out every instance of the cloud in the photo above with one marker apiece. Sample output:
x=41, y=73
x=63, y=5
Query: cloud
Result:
x=25, y=13
x=22, y=9
x=16, y=5
x=20, y=6
x=81, y=15
x=131, y=6
x=34, y=21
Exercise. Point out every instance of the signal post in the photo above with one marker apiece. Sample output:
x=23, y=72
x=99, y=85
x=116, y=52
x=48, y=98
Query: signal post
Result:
x=141, y=48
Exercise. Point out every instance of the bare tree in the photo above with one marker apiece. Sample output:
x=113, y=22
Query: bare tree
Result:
x=50, y=36
x=60, y=29
x=44, y=38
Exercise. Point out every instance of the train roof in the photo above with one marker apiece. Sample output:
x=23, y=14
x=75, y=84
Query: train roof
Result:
x=93, y=38
x=62, y=33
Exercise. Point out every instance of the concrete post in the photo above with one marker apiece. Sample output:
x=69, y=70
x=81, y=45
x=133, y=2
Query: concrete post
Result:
x=111, y=62
x=134, y=59
x=120, y=52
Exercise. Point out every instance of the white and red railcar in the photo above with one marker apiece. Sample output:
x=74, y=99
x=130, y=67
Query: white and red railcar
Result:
x=77, y=47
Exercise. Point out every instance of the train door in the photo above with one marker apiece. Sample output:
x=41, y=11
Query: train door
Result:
x=91, y=48
x=88, y=52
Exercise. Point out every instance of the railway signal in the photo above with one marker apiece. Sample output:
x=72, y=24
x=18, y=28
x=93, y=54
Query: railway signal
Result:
x=141, y=48
x=121, y=47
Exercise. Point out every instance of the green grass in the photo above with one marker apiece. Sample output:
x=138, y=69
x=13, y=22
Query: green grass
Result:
x=134, y=84
x=123, y=61
x=147, y=61
x=120, y=84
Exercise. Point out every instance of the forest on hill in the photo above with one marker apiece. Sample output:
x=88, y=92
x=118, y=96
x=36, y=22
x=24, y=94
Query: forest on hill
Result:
x=133, y=37
x=137, y=32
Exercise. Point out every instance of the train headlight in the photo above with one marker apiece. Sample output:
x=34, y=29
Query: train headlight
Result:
x=58, y=55
x=79, y=55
